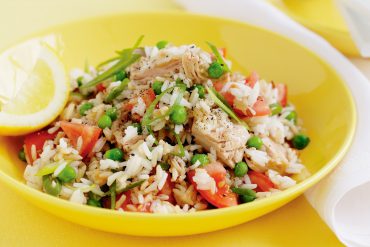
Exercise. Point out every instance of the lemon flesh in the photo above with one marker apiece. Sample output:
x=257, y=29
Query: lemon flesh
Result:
x=33, y=86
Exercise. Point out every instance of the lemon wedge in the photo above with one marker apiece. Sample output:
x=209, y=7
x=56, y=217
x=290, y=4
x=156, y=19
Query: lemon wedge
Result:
x=33, y=86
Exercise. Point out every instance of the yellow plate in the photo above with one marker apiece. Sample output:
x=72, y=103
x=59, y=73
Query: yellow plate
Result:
x=314, y=87
x=324, y=18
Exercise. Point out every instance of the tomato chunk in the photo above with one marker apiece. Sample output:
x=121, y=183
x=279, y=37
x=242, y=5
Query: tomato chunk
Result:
x=38, y=139
x=167, y=189
x=261, y=107
x=263, y=182
x=100, y=87
x=224, y=197
x=252, y=79
x=282, y=94
x=89, y=134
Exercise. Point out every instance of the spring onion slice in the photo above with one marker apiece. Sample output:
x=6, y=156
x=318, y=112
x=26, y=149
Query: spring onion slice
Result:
x=113, y=192
x=126, y=58
x=218, y=57
x=182, y=150
x=107, y=61
x=48, y=169
x=218, y=99
x=149, y=111
x=131, y=186
x=116, y=91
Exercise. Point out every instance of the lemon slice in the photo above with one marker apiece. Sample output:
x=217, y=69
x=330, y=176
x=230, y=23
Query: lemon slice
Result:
x=33, y=86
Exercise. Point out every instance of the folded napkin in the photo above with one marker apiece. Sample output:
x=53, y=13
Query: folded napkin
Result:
x=342, y=198
x=356, y=13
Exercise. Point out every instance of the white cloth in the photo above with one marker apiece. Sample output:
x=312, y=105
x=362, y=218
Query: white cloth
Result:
x=342, y=199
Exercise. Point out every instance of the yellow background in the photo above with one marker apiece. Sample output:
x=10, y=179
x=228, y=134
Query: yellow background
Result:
x=296, y=224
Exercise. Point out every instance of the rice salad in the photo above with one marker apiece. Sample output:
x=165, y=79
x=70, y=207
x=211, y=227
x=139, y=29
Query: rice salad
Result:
x=168, y=129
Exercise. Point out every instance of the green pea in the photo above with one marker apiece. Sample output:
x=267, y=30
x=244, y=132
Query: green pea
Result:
x=201, y=91
x=120, y=76
x=255, y=142
x=112, y=113
x=215, y=70
x=245, y=195
x=292, y=116
x=165, y=166
x=68, y=174
x=104, y=122
x=202, y=158
x=85, y=107
x=300, y=141
x=94, y=203
x=22, y=155
x=51, y=186
x=245, y=198
x=240, y=169
x=157, y=87
x=276, y=108
x=114, y=154
x=162, y=44
x=178, y=114
x=138, y=127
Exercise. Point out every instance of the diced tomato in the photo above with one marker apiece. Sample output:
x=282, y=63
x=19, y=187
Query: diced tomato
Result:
x=89, y=134
x=229, y=98
x=217, y=171
x=148, y=96
x=100, y=87
x=224, y=197
x=263, y=182
x=167, y=189
x=282, y=93
x=218, y=85
x=38, y=139
x=261, y=107
x=252, y=79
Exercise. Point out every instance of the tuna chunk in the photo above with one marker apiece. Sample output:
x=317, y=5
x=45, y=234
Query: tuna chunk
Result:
x=142, y=73
x=215, y=130
x=191, y=62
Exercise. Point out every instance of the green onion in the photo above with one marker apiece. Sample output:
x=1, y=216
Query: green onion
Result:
x=131, y=186
x=182, y=150
x=116, y=91
x=149, y=111
x=48, y=169
x=113, y=192
x=107, y=61
x=218, y=57
x=218, y=99
x=127, y=57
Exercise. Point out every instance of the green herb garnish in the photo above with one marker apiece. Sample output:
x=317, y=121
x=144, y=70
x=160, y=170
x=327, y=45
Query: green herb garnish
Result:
x=179, y=142
x=126, y=58
x=220, y=101
x=131, y=186
x=114, y=93
x=218, y=56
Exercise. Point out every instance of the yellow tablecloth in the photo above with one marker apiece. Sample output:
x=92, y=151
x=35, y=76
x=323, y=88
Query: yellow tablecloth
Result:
x=22, y=224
